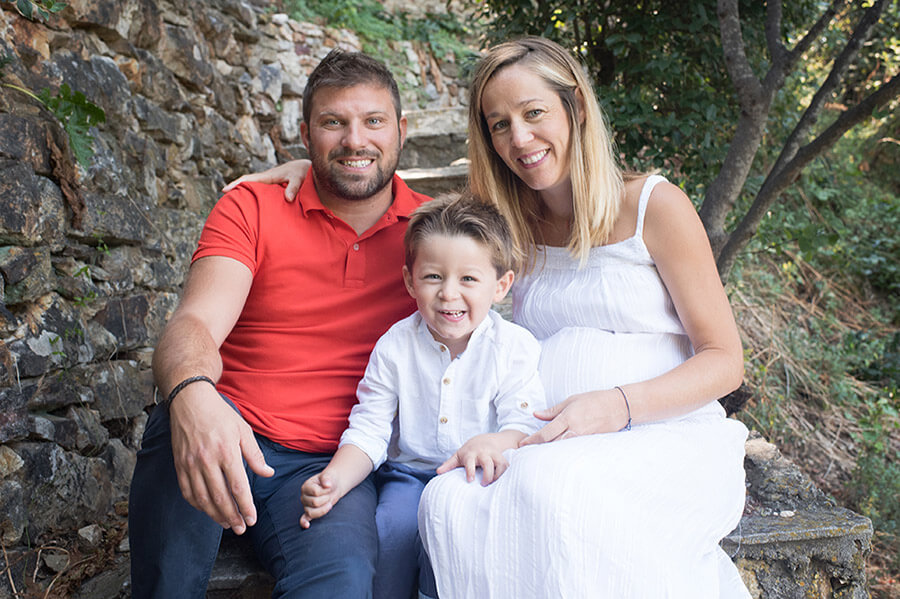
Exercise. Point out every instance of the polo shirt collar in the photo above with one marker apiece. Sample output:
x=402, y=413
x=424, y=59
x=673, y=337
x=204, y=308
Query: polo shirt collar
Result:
x=404, y=199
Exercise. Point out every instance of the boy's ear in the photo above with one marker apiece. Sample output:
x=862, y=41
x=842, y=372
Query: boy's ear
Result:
x=503, y=285
x=407, y=280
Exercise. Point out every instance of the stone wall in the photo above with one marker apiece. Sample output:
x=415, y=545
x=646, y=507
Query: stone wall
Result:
x=195, y=94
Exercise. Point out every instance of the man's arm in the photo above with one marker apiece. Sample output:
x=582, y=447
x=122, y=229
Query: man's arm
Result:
x=209, y=438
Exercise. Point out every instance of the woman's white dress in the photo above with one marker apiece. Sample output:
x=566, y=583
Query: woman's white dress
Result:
x=635, y=514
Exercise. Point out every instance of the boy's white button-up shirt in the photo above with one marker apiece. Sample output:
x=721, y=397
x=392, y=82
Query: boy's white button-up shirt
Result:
x=441, y=403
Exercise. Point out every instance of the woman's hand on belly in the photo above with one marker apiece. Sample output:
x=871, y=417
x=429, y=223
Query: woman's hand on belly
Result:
x=581, y=414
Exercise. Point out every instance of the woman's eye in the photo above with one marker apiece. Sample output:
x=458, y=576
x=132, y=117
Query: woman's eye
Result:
x=534, y=113
x=498, y=126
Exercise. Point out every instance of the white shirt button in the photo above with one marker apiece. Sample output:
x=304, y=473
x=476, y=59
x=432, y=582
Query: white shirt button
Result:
x=443, y=420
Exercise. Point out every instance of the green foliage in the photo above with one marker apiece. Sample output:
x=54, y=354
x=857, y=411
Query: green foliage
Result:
x=33, y=10
x=77, y=114
x=377, y=29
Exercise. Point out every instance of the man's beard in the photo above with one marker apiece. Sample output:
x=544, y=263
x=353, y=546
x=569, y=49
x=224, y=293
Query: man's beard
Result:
x=347, y=185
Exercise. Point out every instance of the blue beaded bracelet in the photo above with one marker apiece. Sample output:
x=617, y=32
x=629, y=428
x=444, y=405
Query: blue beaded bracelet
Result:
x=627, y=426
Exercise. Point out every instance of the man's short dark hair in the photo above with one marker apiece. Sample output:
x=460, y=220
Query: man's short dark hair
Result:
x=346, y=69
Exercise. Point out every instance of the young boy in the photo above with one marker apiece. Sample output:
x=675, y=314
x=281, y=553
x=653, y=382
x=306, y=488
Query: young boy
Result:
x=461, y=382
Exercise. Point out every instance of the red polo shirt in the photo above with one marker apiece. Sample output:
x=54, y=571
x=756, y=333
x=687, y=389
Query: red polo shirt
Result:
x=321, y=297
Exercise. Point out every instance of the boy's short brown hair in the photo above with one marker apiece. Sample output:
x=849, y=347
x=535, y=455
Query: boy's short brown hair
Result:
x=462, y=215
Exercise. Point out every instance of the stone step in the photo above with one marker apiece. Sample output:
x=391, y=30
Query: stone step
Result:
x=791, y=543
x=436, y=180
x=434, y=138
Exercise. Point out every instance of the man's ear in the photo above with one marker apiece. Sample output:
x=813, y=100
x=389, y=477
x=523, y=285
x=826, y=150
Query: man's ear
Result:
x=503, y=285
x=402, y=125
x=407, y=280
x=304, y=135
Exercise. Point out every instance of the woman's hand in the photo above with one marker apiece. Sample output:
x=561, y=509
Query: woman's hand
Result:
x=292, y=172
x=581, y=414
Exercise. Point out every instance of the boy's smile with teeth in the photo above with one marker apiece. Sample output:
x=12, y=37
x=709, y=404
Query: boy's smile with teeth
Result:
x=454, y=271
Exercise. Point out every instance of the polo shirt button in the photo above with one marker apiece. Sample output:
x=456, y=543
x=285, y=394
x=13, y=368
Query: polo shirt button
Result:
x=523, y=405
x=443, y=420
x=356, y=246
x=446, y=381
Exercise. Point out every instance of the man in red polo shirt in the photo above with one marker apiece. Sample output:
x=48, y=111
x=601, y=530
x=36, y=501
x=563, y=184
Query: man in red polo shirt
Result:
x=281, y=308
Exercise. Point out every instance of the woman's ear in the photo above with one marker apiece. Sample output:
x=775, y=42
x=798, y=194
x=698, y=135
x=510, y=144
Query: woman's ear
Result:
x=579, y=106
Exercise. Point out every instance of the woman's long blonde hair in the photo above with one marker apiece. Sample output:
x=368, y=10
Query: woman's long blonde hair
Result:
x=597, y=180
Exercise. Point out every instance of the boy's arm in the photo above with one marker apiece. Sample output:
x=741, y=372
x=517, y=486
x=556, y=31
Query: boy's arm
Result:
x=349, y=467
x=485, y=451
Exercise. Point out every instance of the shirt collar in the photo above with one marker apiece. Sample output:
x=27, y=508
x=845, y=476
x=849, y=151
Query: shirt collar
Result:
x=405, y=200
x=483, y=328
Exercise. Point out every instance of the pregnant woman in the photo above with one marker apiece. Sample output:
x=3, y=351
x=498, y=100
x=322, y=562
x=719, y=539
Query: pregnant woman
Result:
x=637, y=475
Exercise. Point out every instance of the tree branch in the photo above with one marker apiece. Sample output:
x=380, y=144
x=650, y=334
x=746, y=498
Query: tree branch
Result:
x=745, y=81
x=776, y=183
x=816, y=30
x=847, y=56
x=773, y=30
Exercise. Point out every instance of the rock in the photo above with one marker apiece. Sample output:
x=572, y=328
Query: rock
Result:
x=13, y=415
x=57, y=562
x=63, y=489
x=28, y=273
x=137, y=320
x=10, y=461
x=90, y=435
x=12, y=511
x=113, y=219
x=188, y=58
x=52, y=338
x=29, y=212
x=24, y=140
x=121, y=460
x=121, y=390
x=92, y=534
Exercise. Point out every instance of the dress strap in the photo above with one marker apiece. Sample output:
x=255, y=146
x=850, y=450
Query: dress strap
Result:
x=649, y=184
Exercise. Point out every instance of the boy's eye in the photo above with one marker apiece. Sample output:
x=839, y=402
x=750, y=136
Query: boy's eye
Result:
x=432, y=276
x=469, y=279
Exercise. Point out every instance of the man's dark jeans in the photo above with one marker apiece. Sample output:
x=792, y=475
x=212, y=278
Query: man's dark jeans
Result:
x=173, y=545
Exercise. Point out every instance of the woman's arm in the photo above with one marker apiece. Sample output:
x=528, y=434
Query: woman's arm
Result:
x=291, y=172
x=678, y=244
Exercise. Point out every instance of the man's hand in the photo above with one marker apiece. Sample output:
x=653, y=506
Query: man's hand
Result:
x=209, y=439
x=292, y=172
x=485, y=452
x=318, y=495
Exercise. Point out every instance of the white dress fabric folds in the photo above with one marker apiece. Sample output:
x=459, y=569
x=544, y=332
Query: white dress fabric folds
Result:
x=628, y=515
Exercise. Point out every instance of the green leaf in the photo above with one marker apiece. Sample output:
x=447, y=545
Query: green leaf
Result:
x=25, y=7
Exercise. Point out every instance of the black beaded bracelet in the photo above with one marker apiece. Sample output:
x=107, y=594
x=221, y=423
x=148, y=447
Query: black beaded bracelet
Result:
x=627, y=426
x=185, y=383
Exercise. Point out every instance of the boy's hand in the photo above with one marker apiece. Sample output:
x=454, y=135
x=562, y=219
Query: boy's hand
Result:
x=318, y=495
x=484, y=451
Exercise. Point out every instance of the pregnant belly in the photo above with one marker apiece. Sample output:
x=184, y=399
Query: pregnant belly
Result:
x=580, y=359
